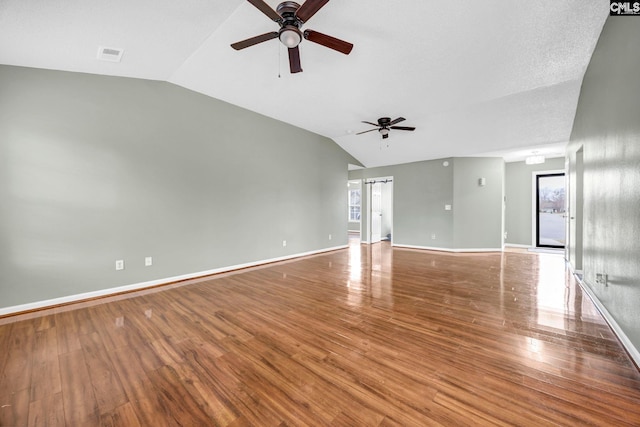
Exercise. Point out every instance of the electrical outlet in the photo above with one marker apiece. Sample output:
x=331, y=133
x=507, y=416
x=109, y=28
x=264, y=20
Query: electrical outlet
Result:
x=433, y=236
x=148, y=261
x=447, y=207
x=284, y=243
x=329, y=236
x=602, y=279
x=120, y=264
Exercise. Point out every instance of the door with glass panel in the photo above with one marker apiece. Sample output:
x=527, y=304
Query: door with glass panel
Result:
x=550, y=210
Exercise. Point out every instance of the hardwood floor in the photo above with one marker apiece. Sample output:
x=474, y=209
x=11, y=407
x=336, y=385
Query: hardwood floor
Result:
x=366, y=336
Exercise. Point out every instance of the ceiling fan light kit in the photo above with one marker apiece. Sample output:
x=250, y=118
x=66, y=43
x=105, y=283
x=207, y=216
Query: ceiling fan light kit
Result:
x=290, y=16
x=290, y=36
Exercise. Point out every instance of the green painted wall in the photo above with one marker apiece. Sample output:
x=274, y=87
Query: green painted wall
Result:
x=478, y=210
x=417, y=187
x=95, y=169
x=354, y=226
x=422, y=189
x=607, y=129
x=519, y=198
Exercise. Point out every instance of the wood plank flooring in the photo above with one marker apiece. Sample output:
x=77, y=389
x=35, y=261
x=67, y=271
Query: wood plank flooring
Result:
x=366, y=336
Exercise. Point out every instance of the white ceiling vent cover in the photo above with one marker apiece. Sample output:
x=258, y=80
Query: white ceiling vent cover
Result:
x=111, y=54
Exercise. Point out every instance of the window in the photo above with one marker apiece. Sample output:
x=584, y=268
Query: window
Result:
x=354, y=205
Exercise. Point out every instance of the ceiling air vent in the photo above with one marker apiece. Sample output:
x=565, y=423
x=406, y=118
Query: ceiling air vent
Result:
x=111, y=54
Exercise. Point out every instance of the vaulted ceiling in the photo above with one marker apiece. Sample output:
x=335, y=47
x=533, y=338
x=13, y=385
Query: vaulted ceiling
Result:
x=475, y=77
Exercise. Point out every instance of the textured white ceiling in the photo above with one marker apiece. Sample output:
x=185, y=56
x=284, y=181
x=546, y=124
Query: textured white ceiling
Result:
x=490, y=77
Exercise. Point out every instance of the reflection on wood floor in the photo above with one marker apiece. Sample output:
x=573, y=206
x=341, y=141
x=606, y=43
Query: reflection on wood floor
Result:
x=365, y=336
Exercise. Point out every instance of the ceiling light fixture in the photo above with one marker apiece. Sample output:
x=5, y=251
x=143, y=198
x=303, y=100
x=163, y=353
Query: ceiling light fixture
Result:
x=384, y=132
x=290, y=36
x=534, y=160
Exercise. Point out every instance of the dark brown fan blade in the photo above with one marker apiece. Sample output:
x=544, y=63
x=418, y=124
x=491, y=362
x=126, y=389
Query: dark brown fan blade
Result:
x=254, y=40
x=396, y=121
x=309, y=8
x=328, y=41
x=402, y=128
x=294, y=60
x=369, y=123
x=370, y=130
x=266, y=9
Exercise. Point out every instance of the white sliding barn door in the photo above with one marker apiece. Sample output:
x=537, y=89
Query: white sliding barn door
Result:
x=376, y=212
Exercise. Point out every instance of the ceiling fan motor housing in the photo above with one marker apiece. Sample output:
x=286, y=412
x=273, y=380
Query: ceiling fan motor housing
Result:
x=287, y=9
x=289, y=33
x=384, y=123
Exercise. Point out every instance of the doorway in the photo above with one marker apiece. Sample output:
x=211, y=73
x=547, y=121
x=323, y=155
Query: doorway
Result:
x=550, y=230
x=378, y=224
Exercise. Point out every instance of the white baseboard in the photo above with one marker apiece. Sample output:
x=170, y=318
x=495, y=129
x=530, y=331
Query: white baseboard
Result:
x=573, y=270
x=626, y=342
x=546, y=251
x=517, y=245
x=138, y=286
x=433, y=248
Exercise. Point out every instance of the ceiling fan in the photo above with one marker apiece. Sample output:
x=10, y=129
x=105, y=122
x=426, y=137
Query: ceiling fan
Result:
x=385, y=124
x=291, y=17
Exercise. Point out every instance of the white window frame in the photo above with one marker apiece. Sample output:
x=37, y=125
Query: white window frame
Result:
x=358, y=205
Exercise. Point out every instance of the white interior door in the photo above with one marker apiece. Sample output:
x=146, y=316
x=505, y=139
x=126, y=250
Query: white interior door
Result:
x=376, y=212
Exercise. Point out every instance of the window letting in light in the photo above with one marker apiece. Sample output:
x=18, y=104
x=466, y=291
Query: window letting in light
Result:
x=354, y=204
